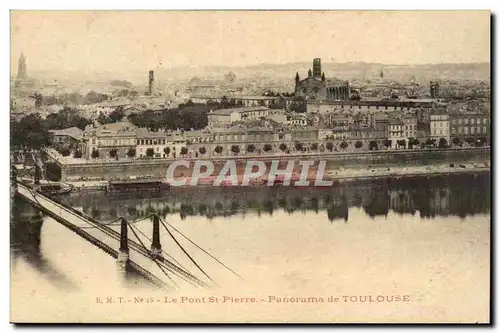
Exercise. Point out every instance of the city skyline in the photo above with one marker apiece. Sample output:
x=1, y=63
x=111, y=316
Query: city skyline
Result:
x=122, y=41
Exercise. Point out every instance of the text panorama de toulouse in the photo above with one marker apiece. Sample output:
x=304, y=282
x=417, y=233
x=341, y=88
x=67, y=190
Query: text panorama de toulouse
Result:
x=267, y=299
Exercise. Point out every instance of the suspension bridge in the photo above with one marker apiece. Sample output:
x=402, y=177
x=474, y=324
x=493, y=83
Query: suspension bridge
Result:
x=126, y=246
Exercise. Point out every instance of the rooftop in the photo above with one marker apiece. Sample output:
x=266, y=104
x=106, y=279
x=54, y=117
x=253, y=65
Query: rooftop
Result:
x=394, y=121
x=239, y=110
x=145, y=133
x=73, y=132
x=119, y=128
x=380, y=102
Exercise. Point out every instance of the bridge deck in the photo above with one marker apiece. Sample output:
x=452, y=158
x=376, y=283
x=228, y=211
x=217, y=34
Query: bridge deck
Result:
x=160, y=271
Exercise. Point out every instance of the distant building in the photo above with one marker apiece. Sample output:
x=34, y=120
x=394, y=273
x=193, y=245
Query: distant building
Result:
x=466, y=125
x=22, y=70
x=324, y=107
x=434, y=87
x=120, y=136
x=225, y=117
x=23, y=105
x=317, y=87
x=395, y=132
x=440, y=126
x=297, y=119
x=68, y=137
x=410, y=127
x=151, y=83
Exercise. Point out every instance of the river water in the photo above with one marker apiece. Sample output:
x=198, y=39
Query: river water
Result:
x=424, y=240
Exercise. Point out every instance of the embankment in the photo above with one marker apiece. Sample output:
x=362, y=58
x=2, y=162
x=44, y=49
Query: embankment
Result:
x=158, y=167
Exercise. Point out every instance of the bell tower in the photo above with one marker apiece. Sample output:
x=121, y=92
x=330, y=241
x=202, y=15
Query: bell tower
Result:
x=22, y=70
x=317, y=67
x=151, y=83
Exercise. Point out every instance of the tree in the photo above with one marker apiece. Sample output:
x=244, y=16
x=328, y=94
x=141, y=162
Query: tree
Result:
x=267, y=147
x=251, y=148
x=94, y=97
x=235, y=149
x=478, y=143
x=77, y=154
x=202, y=150
x=413, y=142
x=166, y=150
x=299, y=105
x=329, y=146
x=456, y=141
x=131, y=152
x=150, y=152
x=343, y=145
x=67, y=117
x=430, y=142
x=38, y=100
x=401, y=143
x=358, y=144
x=29, y=132
x=184, y=151
x=469, y=140
x=283, y=147
x=299, y=146
x=443, y=143
x=113, y=152
x=95, y=153
x=387, y=143
x=218, y=149
x=314, y=146
x=373, y=145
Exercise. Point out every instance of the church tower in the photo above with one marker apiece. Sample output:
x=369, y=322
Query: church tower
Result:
x=317, y=67
x=22, y=70
x=151, y=82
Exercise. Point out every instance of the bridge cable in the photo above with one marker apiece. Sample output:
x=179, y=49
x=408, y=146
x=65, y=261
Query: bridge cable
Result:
x=185, y=252
x=70, y=210
x=35, y=194
x=181, y=268
x=161, y=268
x=206, y=252
x=173, y=271
x=150, y=240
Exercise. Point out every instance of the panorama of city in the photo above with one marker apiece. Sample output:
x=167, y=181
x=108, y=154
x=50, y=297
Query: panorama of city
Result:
x=84, y=136
x=259, y=190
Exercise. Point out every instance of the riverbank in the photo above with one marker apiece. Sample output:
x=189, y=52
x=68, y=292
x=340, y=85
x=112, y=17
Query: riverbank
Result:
x=400, y=172
x=157, y=168
x=341, y=174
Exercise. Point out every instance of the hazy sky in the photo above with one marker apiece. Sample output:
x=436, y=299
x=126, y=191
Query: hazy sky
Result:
x=121, y=40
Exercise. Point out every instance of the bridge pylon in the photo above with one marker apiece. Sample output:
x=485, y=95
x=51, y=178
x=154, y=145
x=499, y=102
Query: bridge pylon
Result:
x=156, y=245
x=123, y=253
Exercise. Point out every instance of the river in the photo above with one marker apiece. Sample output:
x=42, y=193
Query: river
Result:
x=426, y=239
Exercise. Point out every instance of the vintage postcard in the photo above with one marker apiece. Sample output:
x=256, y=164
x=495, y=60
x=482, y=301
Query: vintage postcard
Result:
x=250, y=166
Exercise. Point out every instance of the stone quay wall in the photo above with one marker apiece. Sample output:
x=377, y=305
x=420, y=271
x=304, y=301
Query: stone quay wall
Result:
x=158, y=167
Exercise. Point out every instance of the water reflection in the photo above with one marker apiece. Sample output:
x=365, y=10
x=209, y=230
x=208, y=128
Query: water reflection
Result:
x=458, y=195
x=25, y=241
x=301, y=244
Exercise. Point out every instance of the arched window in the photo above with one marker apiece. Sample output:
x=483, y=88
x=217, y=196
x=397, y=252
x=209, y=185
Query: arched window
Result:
x=315, y=91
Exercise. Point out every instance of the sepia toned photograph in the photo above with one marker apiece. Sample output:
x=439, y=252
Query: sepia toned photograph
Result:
x=250, y=166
